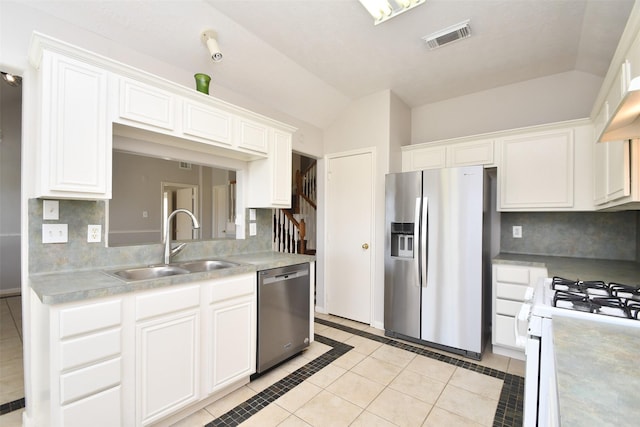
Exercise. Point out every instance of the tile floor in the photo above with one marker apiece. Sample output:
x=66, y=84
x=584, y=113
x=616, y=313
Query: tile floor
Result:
x=352, y=375
x=11, y=369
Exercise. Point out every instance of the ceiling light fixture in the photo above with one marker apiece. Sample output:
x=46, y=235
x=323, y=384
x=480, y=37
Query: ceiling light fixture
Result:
x=382, y=10
x=11, y=79
x=209, y=39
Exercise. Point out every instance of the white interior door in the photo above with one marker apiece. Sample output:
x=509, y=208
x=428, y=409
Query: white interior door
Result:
x=349, y=235
x=185, y=199
x=220, y=210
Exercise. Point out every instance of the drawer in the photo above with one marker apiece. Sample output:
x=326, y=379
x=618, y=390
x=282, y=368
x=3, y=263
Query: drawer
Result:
x=162, y=302
x=512, y=274
x=232, y=288
x=510, y=308
x=89, y=349
x=89, y=317
x=100, y=410
x=512, y=292
x=87, y=381
x=503, y=331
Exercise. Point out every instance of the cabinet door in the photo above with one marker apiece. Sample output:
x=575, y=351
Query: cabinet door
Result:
x=146, y=104
x=600, y=171
x=270, y=179
x=167, y=375
x=473, y=153
x=253, y=136
x=75, y=149
x=536, y=171
x=281, y=168
x=424, y=158
x=206, y=122
x=618, y=178
x=232, y=341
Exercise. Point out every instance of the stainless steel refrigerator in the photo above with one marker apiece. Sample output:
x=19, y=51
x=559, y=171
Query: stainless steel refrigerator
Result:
x=434, y=290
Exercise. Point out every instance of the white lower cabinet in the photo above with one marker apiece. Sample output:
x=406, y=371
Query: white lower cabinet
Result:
x=167, y=352
x=140, y=358
x=510, y=283
x=81, y=348
x=231, y=332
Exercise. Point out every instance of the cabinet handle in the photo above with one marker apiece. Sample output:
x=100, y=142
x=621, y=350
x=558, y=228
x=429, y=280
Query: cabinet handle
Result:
x=365, y=246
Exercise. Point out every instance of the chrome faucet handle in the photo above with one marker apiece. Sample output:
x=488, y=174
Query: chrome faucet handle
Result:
x=177, y=249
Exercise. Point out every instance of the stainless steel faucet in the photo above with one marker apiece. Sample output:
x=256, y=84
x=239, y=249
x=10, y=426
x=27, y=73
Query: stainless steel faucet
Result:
x=168, y=252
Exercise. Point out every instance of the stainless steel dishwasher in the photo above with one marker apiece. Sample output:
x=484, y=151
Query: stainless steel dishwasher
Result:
x=283, y=314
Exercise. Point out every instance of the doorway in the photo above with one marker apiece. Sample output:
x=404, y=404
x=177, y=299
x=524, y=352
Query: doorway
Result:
x=10, y=158
x=179, y=196
x=350, y=234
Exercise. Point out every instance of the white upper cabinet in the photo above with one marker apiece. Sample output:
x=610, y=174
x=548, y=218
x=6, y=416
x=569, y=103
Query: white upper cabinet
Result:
x=73, y=147
x=85, y=96
x=536, y=171
x=146, y=105
x=270, y=179
x=202, y=121
x=547, y=168
x=447, y=154
x=252, y=135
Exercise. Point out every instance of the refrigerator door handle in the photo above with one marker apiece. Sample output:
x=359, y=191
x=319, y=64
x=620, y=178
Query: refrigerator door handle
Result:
x=418, y=249
x=424, y=242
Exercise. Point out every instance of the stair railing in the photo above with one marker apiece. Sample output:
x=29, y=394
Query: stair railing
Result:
x=288, y=233
x=294, y=230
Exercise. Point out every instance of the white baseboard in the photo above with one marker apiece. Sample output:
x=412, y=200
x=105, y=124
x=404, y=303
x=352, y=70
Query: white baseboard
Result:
x=14, y=292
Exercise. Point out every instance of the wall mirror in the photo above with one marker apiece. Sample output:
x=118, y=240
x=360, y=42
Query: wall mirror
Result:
x=146, y=189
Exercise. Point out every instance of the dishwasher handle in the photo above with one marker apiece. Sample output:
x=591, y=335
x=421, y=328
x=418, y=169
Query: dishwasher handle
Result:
x=284, y=276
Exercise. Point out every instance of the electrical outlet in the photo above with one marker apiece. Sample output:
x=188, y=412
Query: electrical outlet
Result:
x=94, y=233
x=55, y=233
x=253, y=229
x=517, y=231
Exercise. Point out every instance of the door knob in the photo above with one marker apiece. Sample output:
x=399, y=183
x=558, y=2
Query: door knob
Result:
x=365, y=246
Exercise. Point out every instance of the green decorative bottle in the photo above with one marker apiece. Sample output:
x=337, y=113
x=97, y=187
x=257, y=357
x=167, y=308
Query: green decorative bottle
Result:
x=202, y=83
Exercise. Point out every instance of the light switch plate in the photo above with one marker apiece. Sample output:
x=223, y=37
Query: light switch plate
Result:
x=253, y=229
x=50, y=210
x=55, y=233
x=252, y=214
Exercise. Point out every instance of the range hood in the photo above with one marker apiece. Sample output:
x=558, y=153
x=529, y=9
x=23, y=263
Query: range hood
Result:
x=624, y=123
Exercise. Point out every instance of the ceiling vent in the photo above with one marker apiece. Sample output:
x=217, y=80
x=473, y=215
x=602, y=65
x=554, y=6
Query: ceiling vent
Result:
x=448, y=35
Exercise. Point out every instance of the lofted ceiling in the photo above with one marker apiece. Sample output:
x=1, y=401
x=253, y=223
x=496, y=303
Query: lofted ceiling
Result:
x=309, y=58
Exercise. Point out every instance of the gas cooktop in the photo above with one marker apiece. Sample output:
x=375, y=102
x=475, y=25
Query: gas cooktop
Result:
x=612, y=299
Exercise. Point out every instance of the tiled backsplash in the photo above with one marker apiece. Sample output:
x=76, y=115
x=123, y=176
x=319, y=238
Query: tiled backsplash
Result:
x=78, y=254
x=602, y=235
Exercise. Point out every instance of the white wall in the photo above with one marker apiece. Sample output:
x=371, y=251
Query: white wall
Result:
x=400, y=132
x=364, y=124
x=560, y=97
x=10, y=142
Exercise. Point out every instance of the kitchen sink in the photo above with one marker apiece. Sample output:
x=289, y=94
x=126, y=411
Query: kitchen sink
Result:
x=153, y=272
x=157, y=271
x=205, y=265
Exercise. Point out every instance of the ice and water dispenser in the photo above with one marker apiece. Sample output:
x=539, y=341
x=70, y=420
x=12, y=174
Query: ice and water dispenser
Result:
x=402, y=239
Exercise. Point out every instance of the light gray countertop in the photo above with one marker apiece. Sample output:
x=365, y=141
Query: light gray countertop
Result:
x=69, y=286
x=627, y=272
x=595, y=367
